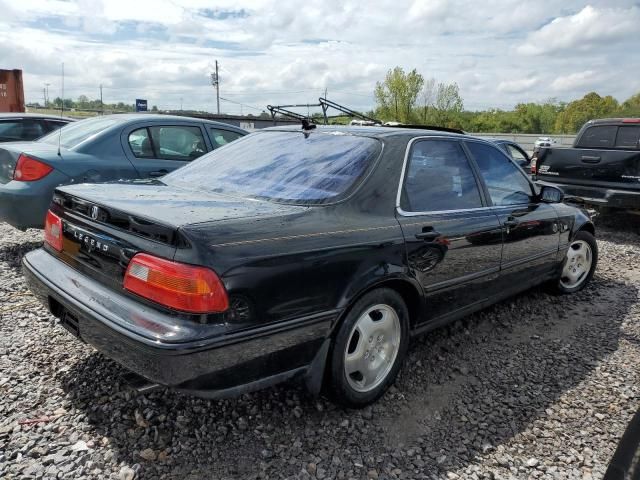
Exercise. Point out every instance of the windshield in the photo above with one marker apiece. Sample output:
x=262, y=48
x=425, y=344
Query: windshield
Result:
x=75, y=133
x=283, y=166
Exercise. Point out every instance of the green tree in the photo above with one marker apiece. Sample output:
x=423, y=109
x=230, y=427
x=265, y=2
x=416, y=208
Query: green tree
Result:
x=448, y=105
x=396, y=96
x=580, y=111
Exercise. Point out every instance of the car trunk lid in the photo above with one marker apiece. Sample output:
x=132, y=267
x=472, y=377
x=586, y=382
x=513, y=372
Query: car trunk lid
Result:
x=105, y=225
x=10, y=152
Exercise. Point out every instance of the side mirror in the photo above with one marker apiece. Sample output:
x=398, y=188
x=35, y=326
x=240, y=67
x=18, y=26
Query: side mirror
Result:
x=549, y=194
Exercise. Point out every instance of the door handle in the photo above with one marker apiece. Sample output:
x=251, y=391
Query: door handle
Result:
x=158, y=173
x=428, y=235
x=511, y=222
x=590, y=159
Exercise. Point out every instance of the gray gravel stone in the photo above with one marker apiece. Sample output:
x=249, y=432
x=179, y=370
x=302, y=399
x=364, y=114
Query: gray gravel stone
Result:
x=536, y=387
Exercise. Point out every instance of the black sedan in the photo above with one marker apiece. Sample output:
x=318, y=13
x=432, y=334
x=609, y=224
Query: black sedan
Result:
x=314, y=253
x=28, y=126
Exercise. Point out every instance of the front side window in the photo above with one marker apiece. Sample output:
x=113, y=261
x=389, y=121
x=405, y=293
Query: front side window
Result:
x=438, y=177
x=600, y=136
x=177, y=142
x=288, y=167
x=628, y=136
x=221, y=137
x=506, y=183
x=515, y=153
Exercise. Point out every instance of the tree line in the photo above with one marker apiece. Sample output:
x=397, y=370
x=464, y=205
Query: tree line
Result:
x=406, y=97
x=84, y=103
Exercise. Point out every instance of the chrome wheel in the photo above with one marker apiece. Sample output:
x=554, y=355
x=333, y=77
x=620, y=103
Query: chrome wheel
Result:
x=372, y=348
x=577, y=265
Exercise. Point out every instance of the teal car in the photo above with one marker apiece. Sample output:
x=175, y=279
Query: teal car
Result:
x=100, y=149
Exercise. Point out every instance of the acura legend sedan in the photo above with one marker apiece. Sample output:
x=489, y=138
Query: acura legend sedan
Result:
x=312, y=253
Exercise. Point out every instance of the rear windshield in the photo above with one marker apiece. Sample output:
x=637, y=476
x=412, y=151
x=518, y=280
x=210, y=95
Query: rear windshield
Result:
x=283, y=167
x=75, y=133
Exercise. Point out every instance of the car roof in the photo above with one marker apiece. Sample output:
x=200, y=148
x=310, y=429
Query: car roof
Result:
x=612, y=121
x=34, y=115
x=143, y=117
x=371, y=131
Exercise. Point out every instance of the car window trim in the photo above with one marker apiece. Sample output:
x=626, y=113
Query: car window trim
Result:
x=474, y=168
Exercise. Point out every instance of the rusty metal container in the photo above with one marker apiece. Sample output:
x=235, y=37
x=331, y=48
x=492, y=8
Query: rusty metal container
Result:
x=11, y=91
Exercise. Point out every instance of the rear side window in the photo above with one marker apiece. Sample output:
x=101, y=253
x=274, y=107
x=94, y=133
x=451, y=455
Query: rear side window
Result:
x=140, y=143
x=438, y=177
x=21, y=130
x=506, y=182
x=10, y=130
x=220, y=137
x=599, y=136
x=628, y=136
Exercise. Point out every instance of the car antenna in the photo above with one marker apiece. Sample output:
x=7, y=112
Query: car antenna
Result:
x=61, y=111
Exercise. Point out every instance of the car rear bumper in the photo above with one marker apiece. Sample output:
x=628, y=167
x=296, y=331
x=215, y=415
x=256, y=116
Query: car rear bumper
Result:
x=600, y=196
x=24, y=204
x=168, y=350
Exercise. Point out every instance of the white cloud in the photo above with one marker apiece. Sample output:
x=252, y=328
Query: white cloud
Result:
x=517, y=86
x=574, y=81
x=272, y=51
x=590, y=28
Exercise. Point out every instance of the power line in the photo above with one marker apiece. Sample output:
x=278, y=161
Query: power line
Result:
x=242, y=104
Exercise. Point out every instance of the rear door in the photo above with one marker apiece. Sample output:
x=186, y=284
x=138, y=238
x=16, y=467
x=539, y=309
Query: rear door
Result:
x=530, y=228
x=155, y=150
x=453, y=238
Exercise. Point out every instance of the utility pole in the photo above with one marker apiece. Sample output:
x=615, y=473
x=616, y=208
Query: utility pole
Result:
x=215, y=81
x=46, y=95
x=101, y=104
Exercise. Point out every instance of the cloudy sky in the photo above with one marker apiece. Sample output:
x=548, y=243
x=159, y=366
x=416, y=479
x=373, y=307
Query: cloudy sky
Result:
x=500, y=52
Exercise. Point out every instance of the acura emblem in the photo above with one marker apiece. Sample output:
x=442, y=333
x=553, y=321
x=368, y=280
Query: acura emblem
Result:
x=94, y=212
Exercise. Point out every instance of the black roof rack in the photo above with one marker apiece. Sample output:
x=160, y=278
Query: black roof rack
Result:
x=427, y=127
x=326, y=104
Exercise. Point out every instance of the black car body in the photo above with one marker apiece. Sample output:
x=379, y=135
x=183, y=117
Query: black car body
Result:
x=603, y=166
x=16, y=127
x=295, y=260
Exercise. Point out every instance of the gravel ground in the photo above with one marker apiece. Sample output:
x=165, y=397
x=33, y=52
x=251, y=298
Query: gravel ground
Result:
x=535, y=387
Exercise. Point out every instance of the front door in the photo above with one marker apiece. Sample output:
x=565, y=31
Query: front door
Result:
x=453, y=239
x=530, y=228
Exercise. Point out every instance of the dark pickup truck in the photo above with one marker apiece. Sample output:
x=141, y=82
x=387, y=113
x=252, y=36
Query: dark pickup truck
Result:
x=601, y=169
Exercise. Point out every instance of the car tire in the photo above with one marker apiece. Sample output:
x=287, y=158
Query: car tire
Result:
x=579, y=264
x=369, y=348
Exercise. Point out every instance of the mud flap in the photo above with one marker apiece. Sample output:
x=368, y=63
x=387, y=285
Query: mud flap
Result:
x=315, y=374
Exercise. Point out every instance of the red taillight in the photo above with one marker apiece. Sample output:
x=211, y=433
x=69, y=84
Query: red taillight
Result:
x=176, y=285
x=534, y=165
x=53, y=230
x=29, y=169
x=631, y=120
